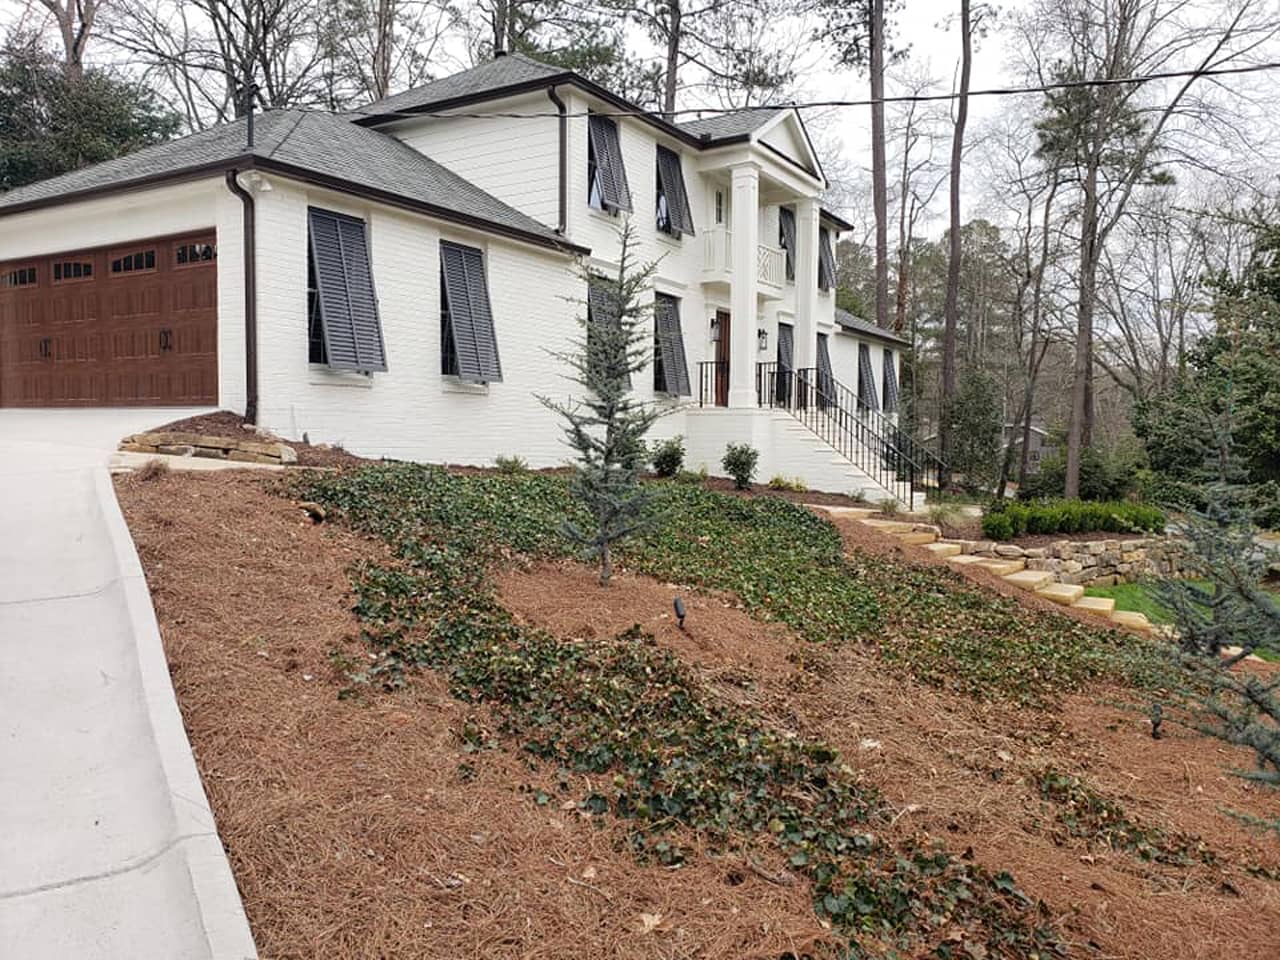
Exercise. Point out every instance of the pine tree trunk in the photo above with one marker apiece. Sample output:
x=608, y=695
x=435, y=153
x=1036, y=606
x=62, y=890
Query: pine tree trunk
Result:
x=951, y=307
x=671, y=74
x=1079, y=433
x=879, y=172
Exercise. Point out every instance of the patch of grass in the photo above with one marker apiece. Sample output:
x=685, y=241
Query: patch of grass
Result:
x=1135, y=597
x=663, y=754
x=1087, y=815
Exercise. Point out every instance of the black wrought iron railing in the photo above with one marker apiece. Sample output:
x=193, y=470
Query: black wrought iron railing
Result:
x=867, y=438
x=713, y=383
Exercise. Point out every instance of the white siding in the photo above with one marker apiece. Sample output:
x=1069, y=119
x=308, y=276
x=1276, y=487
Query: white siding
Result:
x=515, y=159
x=410, y=411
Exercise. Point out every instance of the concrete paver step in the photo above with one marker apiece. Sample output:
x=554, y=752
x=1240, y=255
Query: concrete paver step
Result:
x=1102, y=606
x=1029, y=579
x=1132, y=620
x=941, y=548
x=1003, y=568
x=1063, y=593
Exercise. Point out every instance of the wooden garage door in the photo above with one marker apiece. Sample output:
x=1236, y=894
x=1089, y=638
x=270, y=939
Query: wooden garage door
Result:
x=133, y=325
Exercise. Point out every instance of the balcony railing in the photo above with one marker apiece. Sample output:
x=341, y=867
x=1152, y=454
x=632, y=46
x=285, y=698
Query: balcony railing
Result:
x=717, y=261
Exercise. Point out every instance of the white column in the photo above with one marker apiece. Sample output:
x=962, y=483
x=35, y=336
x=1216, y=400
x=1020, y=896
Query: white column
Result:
x=743, y=305
x=806, y=283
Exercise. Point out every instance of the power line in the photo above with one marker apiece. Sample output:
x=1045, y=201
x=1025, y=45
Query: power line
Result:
x=821, y=104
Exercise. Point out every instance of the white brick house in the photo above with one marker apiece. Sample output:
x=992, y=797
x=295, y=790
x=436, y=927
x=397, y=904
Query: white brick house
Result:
x=409, y=266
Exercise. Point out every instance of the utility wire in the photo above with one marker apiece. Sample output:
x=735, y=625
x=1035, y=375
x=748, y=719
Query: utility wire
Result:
x=821, y=104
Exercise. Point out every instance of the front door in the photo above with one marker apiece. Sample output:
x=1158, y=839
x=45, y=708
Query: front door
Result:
x=722, y=359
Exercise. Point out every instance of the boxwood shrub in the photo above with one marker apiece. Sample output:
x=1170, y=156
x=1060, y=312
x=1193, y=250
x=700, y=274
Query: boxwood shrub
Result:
x=1005, y=521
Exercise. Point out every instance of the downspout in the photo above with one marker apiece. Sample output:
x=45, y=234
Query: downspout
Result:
x=250, y=298
x=563, y=224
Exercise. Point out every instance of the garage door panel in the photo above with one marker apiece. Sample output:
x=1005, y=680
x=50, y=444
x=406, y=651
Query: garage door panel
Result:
x=117, y=327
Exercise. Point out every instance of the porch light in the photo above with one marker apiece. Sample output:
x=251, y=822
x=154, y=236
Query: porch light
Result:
x=715, y=329
x=762, y=339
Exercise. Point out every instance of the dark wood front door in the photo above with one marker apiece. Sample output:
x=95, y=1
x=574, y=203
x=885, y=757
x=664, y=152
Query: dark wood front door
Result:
x=722, y=359
x=134, y=325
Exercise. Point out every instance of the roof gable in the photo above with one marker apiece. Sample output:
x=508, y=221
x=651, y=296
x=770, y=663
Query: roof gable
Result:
x=786, y=134
x=503, y=74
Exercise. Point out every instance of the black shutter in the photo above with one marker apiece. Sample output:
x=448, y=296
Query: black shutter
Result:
x=347, y=303
x=866, y=380
x=826, y=379
x=890, y=383
x=787, y=236
x=614, y=189
x=671, y=345
x=826, y=260
x=470, y=317
x=672, y=182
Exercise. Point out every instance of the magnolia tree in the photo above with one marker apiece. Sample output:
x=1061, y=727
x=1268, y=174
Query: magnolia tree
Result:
x=606, y=425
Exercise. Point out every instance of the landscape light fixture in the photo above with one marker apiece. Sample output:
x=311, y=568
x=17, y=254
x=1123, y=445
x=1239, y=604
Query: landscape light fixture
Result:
x=679, y=605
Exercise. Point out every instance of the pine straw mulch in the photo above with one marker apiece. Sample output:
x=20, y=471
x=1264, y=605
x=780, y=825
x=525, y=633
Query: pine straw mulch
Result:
x=366, y=828
x=224, y=423
x=360, y=829
x=969, y=773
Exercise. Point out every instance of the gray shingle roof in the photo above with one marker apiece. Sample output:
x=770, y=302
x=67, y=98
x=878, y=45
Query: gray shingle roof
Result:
x=313, y=142
x=508, y=71
x=736, y=124
x=866, y=328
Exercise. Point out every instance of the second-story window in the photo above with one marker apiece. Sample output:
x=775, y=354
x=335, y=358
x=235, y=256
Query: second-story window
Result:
x=607, y=187
x=787, y=238
x=673, y=214
x=720, y=208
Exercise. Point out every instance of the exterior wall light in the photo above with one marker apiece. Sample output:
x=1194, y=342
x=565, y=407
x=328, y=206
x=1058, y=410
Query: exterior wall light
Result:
x=762, y=339
x=715, y=329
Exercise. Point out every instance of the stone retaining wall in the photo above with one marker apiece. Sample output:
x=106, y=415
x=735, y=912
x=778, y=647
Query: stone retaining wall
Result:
x=1094, y=563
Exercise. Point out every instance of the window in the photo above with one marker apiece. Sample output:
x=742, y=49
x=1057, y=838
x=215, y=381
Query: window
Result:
x=866, y=380
x=67, y=270
x=890, y=383
x=787, y=238
x=673, y=214
x=670, y=369
x=344, y=306
x=1035, y=456
x=468, y=345
x=21, y=277
x=134, y=262
x=189, y=253
x=826, y=260
x=720, y=207
x=607, y=187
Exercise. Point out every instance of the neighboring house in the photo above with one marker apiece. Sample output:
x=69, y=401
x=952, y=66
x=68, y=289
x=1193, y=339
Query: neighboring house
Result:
x=1040, y=448
x=396, y=279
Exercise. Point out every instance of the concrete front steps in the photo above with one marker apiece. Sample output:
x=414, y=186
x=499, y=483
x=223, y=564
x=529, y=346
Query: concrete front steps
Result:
x=1014, y=572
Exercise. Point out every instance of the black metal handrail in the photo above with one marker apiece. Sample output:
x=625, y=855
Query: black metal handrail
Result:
x=713, y=383
x=866, y=437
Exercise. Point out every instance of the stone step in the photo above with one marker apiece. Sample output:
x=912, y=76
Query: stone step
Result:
x=891, y=526
x=1029, y=579
x=852, y=513
x=1102, y=606
x=1063, y=593
x=967, y=560
x=1132, y=620
x=1003, y=568
x=942, y=548
x=918, y=538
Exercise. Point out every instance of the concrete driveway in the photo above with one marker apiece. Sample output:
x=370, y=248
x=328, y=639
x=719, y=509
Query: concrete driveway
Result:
x=107, y=845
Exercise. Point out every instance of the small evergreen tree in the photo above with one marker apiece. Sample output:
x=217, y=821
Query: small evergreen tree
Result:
x=975, y=417
x=607, y=425
x=1228, y=617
